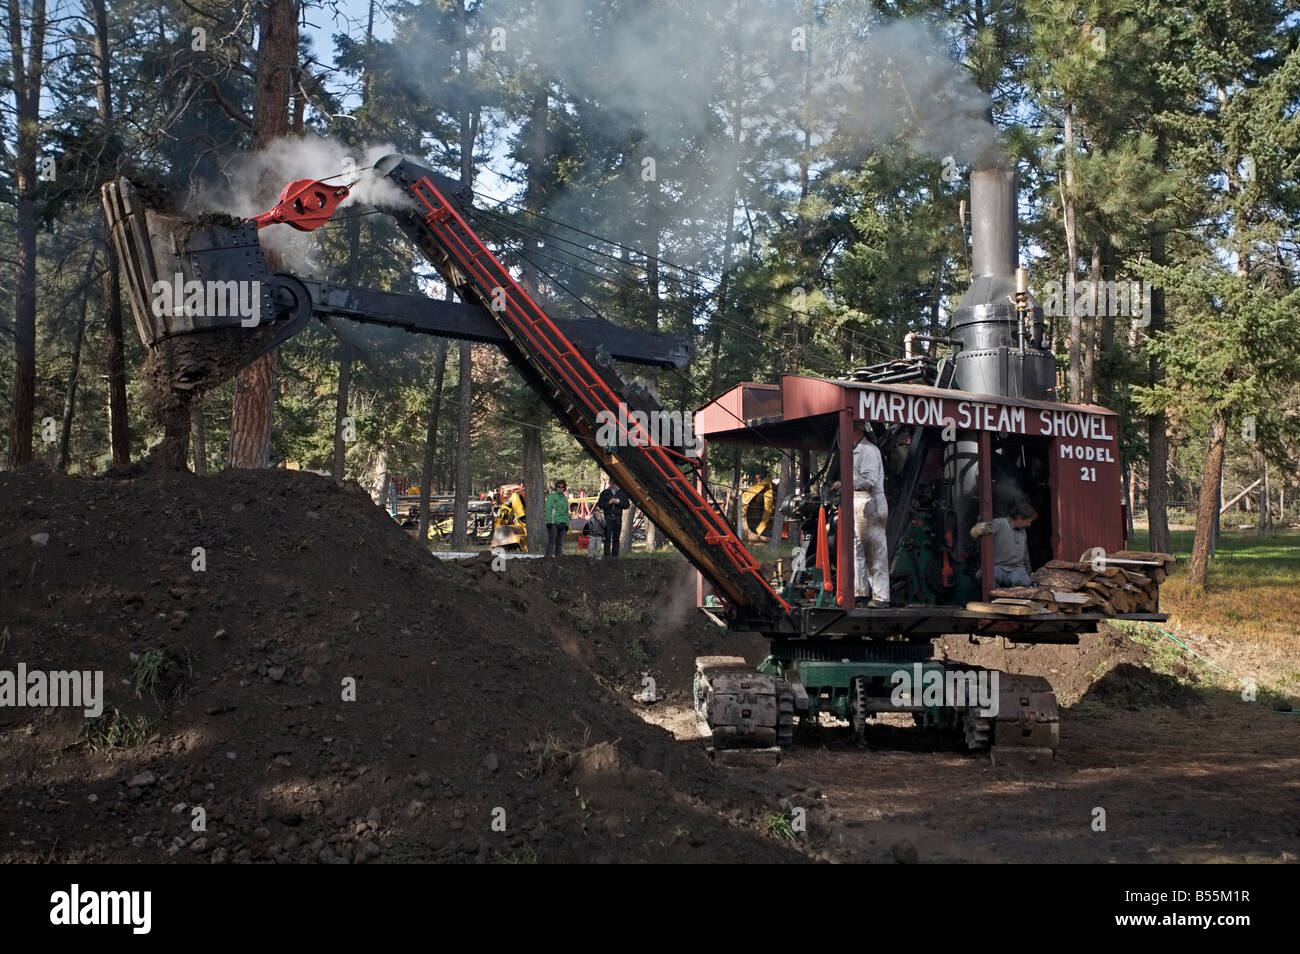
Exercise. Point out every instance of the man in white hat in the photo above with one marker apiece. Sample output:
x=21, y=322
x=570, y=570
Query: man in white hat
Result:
x=870, y=511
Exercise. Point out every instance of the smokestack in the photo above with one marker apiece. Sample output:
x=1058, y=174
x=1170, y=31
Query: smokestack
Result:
x=997, y=355
x=994, y=228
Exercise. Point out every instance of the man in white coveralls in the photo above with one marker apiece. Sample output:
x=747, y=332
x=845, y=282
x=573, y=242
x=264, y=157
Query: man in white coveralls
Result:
x=870, y=511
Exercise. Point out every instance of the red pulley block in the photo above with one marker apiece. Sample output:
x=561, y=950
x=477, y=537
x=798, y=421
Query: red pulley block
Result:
x=305, y=204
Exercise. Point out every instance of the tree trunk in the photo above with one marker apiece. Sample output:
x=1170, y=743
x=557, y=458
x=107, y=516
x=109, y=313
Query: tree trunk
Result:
x=653, y=239
x=1264, y=525
x=629, y=518
x=736, y=495
x=534, y=487
x=737, y=117
x=1075, y=338
x=1105, y=389
x=460, y=517
x=119, y=427
x=198, y=439
x=338, y=465
x=1090, y=331
x=782, y=486
x=120, y=439
x=119, y=423
x=250, y=426
x=70, y=395
x=1207, y=509
x=379, y=476
x=533, y=418
x=26, y=79
x=1217, y=525
x=277, y=65
x=1126, y=474
x=431, y=440
x=1157, y=438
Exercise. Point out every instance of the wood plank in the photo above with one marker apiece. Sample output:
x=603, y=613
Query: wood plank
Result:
x=1066, y=565
x=1002, y=609
x=1005, y=601
x=1059, y=579
x=1167, y=559
x=1040, y=593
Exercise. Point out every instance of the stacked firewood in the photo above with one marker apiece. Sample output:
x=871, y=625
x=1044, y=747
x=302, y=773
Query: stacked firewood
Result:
x=1129, y=582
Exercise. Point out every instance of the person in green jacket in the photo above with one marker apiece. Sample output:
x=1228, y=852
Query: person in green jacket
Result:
x=557, y=519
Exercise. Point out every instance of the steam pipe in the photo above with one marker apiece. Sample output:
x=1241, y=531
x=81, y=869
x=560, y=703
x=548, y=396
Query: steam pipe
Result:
x=1022, y=303
x=914, y=336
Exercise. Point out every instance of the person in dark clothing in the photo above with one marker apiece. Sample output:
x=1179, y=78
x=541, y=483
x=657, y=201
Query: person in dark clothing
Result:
x=612, y=502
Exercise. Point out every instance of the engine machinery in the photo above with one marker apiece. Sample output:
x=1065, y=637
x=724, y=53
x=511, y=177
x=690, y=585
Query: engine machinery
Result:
x=960, y=436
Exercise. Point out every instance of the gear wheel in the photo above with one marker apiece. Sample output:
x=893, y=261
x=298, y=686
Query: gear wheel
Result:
x=978, y=730
x=784, y=714
x=858, y=707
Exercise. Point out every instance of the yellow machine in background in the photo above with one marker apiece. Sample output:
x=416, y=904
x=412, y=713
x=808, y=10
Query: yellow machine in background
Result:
x=758, y=503
x=508, y=527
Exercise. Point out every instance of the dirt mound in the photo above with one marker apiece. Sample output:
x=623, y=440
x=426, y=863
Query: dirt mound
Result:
x=278, y=654
x=1134, y=687
x=622, y=620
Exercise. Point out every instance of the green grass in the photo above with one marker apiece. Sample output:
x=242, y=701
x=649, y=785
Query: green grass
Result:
x=527, y=855
x=1241, y=556
x=113, y=732
x=147, y=673
x=779, y=827
x=638, y=652
x=621, y=612
x=1248, y=607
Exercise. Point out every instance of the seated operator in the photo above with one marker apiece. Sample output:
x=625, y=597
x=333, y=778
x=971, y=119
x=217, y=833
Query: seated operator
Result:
x=1010, y=544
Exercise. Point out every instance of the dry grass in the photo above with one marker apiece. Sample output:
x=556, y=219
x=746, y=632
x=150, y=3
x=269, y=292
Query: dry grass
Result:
x=1247, y=616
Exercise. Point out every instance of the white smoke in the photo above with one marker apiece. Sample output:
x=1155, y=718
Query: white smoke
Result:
x=671, y=77
x=254, y=181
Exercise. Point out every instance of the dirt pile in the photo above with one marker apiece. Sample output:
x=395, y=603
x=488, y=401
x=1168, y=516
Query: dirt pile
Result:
x=279, y=655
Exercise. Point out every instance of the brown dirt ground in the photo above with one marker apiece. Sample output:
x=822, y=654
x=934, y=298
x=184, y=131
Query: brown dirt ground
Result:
x=482, y=693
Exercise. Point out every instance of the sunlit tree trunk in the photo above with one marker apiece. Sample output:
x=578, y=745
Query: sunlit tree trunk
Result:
x=25, y=77
x=277, y=65
x=1207, y=506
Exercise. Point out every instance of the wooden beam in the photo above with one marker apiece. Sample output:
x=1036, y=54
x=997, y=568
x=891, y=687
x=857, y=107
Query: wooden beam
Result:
x=1224, y=508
